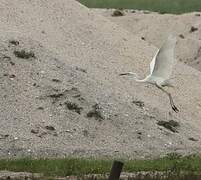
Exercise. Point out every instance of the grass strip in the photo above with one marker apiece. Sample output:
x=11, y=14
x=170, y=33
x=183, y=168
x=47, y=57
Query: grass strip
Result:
x=80, y=166
x=161, y=6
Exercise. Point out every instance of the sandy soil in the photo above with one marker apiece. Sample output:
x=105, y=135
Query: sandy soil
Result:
x=60, y=92
x=154, y=28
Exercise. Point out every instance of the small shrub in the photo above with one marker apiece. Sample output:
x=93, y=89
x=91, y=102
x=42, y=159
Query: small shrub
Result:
x=14, y=42
x=73, y=107
x=51, y=128
x=95, y=112
x=192, y=139
x=193, y=29
x=138, y=103
x=170, y=125
x=24, y=54
x=118, y=12
x=181, y=36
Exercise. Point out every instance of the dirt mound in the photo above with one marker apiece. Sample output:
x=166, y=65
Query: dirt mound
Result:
x=155, y=28
x=61, y=93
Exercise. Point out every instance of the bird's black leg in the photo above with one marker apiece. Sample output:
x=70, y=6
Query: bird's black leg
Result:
x=170, y=98
x=172, y=103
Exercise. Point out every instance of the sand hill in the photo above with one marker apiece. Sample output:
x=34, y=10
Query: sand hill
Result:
x=61, y=93
x=154, y=28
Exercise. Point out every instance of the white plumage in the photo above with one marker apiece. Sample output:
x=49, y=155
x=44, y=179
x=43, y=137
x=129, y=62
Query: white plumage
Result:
x=161, y=68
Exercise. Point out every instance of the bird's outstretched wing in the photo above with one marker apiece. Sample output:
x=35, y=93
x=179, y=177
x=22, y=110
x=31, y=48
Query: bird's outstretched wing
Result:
x=152, y=64
x=163, y=61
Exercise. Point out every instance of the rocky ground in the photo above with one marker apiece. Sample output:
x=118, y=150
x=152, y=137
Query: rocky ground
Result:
x=154, y=28
x=61, y=94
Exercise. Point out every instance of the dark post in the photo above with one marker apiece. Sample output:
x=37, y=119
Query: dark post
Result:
x=116, y=170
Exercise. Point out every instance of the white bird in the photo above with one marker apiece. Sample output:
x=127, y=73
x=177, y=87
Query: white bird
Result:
x=161, y=68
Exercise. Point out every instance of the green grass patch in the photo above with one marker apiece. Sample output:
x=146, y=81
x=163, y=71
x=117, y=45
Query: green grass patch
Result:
x=57, y=167
x=78, y=166
x=172, y=162
x=162, y=6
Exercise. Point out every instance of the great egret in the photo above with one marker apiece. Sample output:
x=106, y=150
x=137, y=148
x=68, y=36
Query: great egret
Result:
x=161, y=68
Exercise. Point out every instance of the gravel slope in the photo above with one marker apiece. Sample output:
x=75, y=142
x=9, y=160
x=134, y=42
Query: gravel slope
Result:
x=61, y=93
x=155, y=28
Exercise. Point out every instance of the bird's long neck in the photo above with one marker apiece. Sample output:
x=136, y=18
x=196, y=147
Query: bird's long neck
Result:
x=139, y=80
